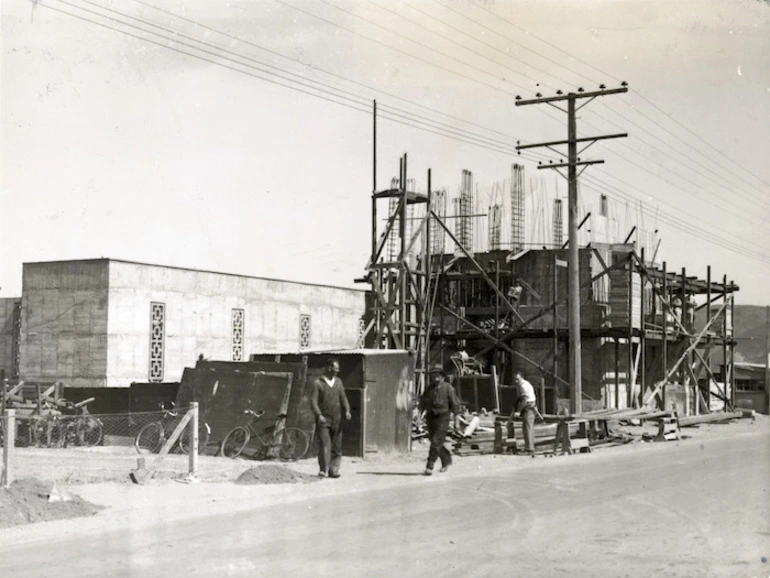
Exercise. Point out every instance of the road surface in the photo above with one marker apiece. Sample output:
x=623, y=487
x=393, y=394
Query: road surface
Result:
x=682, y=510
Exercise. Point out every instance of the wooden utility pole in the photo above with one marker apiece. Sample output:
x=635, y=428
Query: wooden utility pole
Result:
x=767, y=357
x=573, y=161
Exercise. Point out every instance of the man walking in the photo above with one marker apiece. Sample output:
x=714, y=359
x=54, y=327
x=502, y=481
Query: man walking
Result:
x=525, y=405
x=328, y=400
x=438, y=402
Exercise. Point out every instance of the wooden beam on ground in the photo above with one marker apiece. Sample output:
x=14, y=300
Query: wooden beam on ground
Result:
x=708, y=418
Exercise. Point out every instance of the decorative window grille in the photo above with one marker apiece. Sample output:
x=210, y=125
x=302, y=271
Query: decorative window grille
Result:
x=304, y=331
x=157, y=339
x=238, y=329
x=16, y=359
x=361, y=329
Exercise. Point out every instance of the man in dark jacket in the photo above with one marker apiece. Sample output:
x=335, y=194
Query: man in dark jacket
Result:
x=438, y=402
x=328, y=400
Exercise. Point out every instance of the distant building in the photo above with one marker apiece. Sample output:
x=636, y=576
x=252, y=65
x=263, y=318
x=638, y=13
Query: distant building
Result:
x=107, y=322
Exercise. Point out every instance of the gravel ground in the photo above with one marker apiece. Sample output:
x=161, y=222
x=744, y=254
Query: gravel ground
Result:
x=99, y=478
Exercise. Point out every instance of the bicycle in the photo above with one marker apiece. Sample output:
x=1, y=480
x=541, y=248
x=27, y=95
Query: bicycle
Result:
x=40, y=426
x=291, y=443
x=152, y=436
x=81, y=429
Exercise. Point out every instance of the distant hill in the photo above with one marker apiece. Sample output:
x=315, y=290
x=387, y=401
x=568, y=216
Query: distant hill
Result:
x=751, y=329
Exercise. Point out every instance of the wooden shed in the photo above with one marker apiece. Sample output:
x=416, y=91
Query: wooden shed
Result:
x=379, y=385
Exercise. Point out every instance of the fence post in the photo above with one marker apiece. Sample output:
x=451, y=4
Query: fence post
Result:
x=193, y=425
x=9, y=442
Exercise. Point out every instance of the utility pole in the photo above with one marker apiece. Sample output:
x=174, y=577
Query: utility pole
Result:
x=767, y=357
x=573, y=161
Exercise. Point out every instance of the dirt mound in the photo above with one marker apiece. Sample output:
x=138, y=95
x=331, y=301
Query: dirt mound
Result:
x=27, y=501
x=273, y=474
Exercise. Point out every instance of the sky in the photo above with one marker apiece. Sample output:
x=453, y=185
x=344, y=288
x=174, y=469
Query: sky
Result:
x=238, y=137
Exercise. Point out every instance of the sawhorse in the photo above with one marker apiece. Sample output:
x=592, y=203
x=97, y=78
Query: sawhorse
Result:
x=579, y=442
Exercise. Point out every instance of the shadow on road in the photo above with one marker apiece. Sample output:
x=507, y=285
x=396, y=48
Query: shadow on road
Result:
x=390, y=473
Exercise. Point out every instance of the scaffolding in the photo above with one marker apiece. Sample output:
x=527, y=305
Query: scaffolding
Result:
x=506, y=310
x=399, y=316
x=649, y=352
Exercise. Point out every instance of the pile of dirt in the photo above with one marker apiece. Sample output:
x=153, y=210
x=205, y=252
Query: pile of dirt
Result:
x=27, y=501
x=273, y=474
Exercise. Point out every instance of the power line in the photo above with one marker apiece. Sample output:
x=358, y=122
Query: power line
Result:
x=572, y=56
x=365, y=110
x=535, y=80
x=749, y=198
x=465, y=136
x=467, y=139
x=679, y=224
x=319, y=69
x=675, y=222
x=336, y=25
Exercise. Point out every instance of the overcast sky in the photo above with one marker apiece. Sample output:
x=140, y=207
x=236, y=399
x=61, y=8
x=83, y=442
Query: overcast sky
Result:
x=114, y=146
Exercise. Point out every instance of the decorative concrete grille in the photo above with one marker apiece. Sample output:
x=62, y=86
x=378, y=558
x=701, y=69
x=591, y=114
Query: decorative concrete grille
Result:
x=16, y=359
x=304, y=331
x=157, y=335
x=238, y=328
x=361, y=328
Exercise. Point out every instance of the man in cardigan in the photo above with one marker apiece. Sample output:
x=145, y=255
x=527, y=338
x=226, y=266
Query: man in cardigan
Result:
x=438, y=402
x=328, y=400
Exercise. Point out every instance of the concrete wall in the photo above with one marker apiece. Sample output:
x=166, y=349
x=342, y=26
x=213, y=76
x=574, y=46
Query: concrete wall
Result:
x=198, y=317
x=64, y=322
x=7, y=335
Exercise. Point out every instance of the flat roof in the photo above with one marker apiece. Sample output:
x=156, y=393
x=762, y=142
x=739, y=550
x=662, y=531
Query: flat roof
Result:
x=109, y=259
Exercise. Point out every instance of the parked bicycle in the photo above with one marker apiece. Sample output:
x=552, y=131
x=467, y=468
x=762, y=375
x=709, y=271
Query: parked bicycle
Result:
x=51, y=428
x=289, y=443
x=153, y=435
x=80, y=429
x=40, y=425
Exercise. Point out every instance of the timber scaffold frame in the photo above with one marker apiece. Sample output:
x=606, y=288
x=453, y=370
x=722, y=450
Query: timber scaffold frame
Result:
x=658, y=331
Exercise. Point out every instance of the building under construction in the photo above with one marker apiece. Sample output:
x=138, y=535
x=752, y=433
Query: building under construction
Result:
x=498, y=305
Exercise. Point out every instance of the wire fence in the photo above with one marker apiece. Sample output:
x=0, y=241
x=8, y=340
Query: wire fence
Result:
x=68, y=438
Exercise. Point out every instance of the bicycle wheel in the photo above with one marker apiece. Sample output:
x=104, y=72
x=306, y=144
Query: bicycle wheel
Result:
x=58, y=435
x=89, y=431
x=40, y=432
x=204, y=431
x=294, y=444
x=235, y=442
x=149, y=439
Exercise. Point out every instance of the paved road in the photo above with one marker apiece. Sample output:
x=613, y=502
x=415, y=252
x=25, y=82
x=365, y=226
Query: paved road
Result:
x=688, y=510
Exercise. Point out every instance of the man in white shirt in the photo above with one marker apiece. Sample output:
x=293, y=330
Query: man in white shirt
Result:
x=525, y=405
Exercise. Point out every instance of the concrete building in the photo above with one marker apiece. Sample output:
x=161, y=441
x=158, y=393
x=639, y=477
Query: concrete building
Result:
x=107, y=322
x=10, y=333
